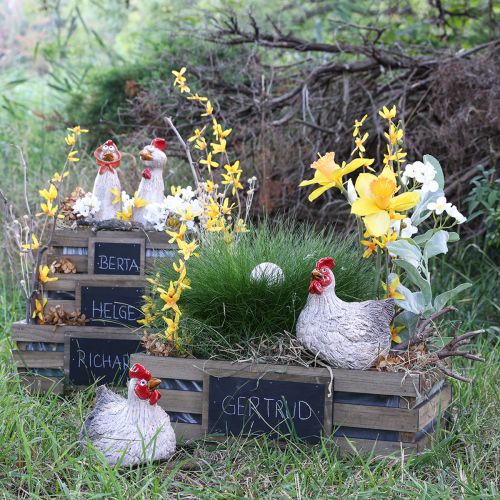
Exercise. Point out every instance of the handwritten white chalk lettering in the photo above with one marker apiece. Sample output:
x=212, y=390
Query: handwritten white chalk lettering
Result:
x=113, y=263
x=102, y=360
x=266, y=408
x=113, y=311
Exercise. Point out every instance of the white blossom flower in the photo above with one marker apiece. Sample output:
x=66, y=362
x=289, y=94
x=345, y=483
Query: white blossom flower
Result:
x=408, y=230
x=409, y=172
x=425, y=174
x=352, y=196
x=439, y=206
x=187, y=193
x=452, y=211
x=88, y=205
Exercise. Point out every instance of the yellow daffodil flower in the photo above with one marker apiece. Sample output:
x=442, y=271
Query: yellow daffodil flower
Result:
x=394, y=135
x=225, y=208
x=387, y=114
x=176, y=190
x=210, y=186
x=138, y=201
x=72, y=157
x=177, y=236
x=43, y=274
x=188, y=249
x=215, y=225
x=391, y=292
x=329, y=175
x=232, y=180
x=218, y=148
x=57, y=177
x=212, y=209
x=197, y=97
x=70, y=139
x=201, y=144
x=371, y=248
x=117, y=195
x=395, y=333
x=209, y=162
x=189, y=214
x=397, y=156
x=170, y=298
x=357, y=125
x=172, y=327
x=77, y=130
x=376, y=200
x=219, y=133
x=240, y=227
x=234, y=168
x=359, y=141
x=125, y=214
x=179, y=76
x=33, y=245
x=179, y=268
x=50, y=194
x=197, y=134
x=39, y=311
x=184, y=88
x=208, y=109
x=49, y=210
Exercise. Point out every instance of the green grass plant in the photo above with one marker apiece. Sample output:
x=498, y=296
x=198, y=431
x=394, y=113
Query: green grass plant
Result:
x=225, y=312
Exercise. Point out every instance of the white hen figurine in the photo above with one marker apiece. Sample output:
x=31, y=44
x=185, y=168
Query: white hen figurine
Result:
x=136, y=428
x=108, y=159
x=344, y=334
x=151, y=189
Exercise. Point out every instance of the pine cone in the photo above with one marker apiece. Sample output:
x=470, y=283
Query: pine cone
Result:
x=63, y=265
x=155, y=347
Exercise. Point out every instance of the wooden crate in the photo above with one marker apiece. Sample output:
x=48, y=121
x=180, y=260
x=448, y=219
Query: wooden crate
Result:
x=42, y=356
x=368, y=410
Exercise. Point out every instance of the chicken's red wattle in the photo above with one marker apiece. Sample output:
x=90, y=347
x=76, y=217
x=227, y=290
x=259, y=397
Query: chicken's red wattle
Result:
x=146, y=173
x=315, y=287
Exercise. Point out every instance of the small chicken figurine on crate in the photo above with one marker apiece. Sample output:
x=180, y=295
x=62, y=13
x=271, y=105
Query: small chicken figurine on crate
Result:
x=108, y=159
x=132, y=430
x=152, y=188
x=344, y=334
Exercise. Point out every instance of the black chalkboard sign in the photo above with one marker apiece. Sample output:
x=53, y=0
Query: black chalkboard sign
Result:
x=240, y=406
x=117, y=258
x=106, y=360
x=112, y=306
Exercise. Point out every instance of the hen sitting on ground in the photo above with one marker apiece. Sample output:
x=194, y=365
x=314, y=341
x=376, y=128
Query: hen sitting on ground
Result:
x=345, y=334
x=136, y=428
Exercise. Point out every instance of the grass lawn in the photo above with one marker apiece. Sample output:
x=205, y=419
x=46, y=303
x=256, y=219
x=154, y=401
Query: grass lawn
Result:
x=40, y=454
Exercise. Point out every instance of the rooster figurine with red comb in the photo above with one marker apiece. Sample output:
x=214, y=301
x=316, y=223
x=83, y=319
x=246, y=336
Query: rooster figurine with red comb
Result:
x=344, y=334
x=108, y=159
x=132, y=430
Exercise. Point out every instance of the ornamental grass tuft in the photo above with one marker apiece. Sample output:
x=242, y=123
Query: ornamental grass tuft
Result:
x=225, y=313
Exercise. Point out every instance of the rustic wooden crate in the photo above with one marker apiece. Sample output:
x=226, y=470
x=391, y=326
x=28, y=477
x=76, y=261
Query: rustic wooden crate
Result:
x=357, y=411
x=41, y=353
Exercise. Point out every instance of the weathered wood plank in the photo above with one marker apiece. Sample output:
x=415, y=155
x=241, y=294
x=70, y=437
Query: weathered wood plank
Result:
x=377, y=448
x=430, y=409
x=80, y=261
x=181, y=401
x=67, y=305
x=375, y=417
x=70, y=282
x=38, y=359
x=369, y=382
x=187, y=432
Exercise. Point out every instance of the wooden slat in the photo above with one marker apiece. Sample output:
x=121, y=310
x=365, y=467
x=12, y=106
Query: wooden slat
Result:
x=36, y=359
x=67, y=305
x=375, y=417
x=70, y=282
x=429, y=410
x=187, y=432
x=181, y=401
x=24, y=332
x=357, y=381
x=42, y=384
x=80, y=261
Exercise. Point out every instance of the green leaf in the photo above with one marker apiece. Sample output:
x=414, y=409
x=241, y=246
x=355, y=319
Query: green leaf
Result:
x=406, y=250
x=453, y=237
x=409, y=320
x=436, y=245
x=421, y=212
x=437, y=167
x=414, y=301
x=417, y=279
x=445, y=297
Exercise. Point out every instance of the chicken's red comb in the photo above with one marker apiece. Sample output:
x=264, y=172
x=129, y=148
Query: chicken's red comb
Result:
x=109, y=142
x=326, y=261
x=159, y=143
x=138, y=371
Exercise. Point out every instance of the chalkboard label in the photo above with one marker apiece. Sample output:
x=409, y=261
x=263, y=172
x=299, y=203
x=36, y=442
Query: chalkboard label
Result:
x=104, y=359
x=242, y=406
x=112, y=306
x=117, y=258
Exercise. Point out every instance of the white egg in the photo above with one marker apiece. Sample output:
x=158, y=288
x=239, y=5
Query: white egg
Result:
x=269, y=272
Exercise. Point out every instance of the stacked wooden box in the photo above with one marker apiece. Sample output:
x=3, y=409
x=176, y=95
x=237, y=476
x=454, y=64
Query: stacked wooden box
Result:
x=107, y=288
x=363, y=410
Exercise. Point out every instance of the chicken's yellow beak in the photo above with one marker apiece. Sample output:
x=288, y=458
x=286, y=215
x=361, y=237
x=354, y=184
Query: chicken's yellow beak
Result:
x=145, y=155
x=316, y=274
x=153, y=383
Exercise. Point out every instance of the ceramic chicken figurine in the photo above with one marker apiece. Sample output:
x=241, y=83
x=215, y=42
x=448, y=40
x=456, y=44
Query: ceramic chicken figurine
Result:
x=345, y=334
x=151, y=189
x=136, y=428
x=108, y=159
